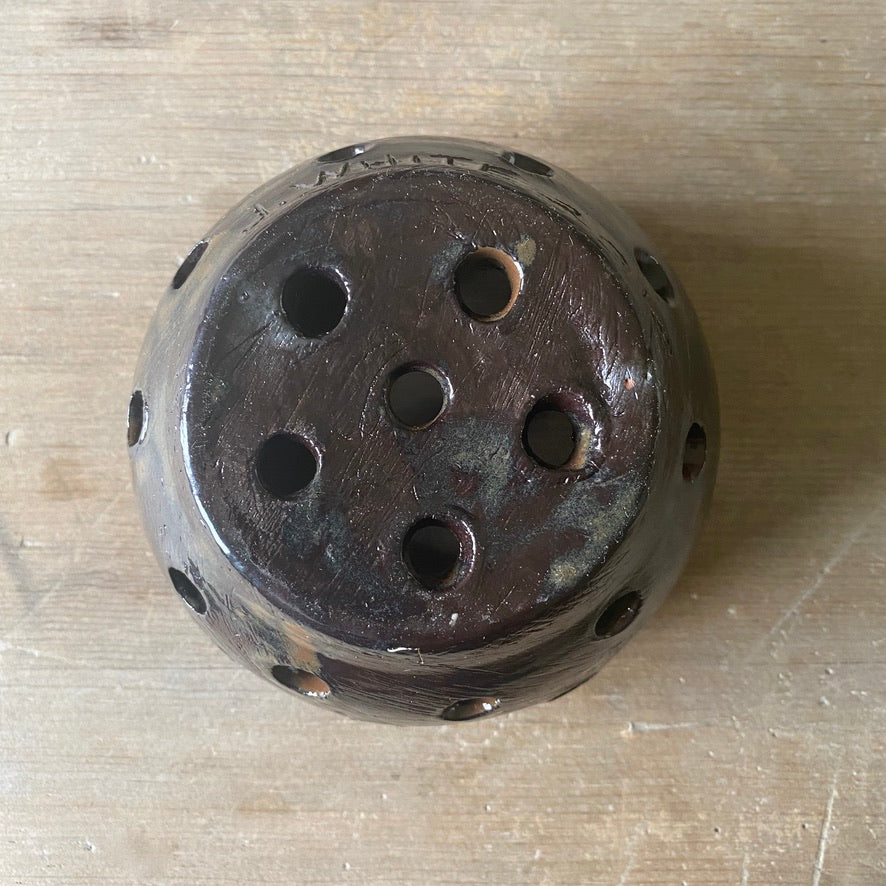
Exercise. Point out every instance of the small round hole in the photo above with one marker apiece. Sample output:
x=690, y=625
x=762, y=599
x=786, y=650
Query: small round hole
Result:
x=339, y=155
x=528, y=164
x=135, y=422
x=432, y=551
x=487, y=282
x=694, y=452
x=618, y=615
x=188, y=591
x=416, y=397
x=188, y=265
x=314, y=302
x=655, y=274
x=550, y=435
x=472, y=708
x=285, y=464
x=303, y=682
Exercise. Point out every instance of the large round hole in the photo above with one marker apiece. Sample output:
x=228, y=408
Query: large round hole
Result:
x=655, y=274
x=432, y=551
x=314, y=302
x=188, y=591
x=487, y=282
x=618, y=615
x=550, y=435
x=135, y=422
x=188, y=265
x=471, y=708
x=285, y=464
x=339, y=155
x=416, y=396
x=528, y=164
x=694, y=452
x=303, y=682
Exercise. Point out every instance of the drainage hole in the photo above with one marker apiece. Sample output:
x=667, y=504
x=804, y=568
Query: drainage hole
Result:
x=135, y=421
x=432, y=551
x=303, y=682
x=188, y=265
x=527, y=163
x=655, y=274
x=618, y=615
x=339, y=155
x=487, y=282
x=472, y=708
x=314, y=302
x=694, y=452
x=550, y=435
x=416, y=396
x=285, y=464
x=188, y=591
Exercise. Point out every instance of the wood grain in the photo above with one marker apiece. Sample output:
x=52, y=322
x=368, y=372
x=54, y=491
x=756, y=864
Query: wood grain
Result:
x=739, y=738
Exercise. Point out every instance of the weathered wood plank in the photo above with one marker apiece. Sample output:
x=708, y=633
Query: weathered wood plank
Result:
x=739, y=739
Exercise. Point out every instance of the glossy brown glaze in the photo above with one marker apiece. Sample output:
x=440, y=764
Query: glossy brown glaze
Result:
x=285, y=472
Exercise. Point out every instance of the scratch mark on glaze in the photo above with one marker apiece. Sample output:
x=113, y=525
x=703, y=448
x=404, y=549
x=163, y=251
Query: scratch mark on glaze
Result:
x=408, y=649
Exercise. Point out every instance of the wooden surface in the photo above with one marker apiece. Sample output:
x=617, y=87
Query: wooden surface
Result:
x=740, y=738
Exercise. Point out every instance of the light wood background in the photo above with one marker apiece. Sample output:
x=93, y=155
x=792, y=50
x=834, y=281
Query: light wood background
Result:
x=740, y=738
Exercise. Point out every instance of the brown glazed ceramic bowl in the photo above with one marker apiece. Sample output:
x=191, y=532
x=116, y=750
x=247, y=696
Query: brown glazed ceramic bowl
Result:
x=424, y=429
